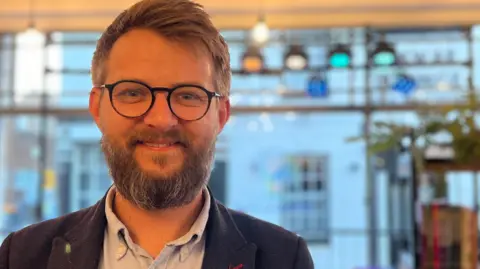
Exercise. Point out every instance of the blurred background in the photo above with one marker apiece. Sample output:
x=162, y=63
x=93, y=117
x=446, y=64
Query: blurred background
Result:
x=308, y=78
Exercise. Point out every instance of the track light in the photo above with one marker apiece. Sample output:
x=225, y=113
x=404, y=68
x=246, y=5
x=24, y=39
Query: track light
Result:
x=252, y=60
x=339, y=56
x=296, y=58
x=383, y=55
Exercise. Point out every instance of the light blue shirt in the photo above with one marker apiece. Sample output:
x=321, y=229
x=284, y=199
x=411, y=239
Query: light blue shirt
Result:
x=120, y=252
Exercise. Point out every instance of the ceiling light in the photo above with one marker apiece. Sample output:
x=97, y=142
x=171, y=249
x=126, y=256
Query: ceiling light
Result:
x=339, y=56
x=383, y=55
x=252, y=60
x=296, y=58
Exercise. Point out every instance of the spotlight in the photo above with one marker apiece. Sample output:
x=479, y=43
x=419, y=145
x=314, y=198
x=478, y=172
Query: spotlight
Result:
x=252, y=60
x=383, y=55
x=296, y=58
x=317, y=86
x=339, y=56
x=404, y=84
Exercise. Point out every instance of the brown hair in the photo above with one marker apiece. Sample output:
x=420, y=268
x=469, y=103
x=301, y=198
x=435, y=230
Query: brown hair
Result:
x=181, y=20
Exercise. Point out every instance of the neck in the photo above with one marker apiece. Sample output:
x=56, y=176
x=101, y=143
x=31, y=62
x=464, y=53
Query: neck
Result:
x=152, y=230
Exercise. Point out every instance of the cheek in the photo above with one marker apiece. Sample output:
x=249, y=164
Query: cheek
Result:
x=202, y=131
x=114, y=125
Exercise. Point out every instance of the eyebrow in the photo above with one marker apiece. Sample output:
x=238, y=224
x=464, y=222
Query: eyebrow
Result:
x=168, y=86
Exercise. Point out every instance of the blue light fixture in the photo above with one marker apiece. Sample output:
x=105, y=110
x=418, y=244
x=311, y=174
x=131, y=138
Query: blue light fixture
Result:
x=404, y=84
x=317, y=87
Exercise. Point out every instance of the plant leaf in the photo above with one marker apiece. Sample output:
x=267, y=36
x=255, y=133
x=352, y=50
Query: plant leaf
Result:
x=355, y=139
x=384, y=145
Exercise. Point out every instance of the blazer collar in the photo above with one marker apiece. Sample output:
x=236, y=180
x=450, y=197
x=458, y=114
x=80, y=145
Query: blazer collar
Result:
x=225, y=245
x=81, y=247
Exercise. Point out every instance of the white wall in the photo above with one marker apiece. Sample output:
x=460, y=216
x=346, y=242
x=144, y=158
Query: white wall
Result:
x=248, y=178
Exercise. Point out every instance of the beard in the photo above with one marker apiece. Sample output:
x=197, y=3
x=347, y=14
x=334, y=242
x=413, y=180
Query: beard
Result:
x=151, y=191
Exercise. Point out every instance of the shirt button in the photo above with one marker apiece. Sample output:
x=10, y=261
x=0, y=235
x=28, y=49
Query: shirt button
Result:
x=184, y=253
x=121, y=251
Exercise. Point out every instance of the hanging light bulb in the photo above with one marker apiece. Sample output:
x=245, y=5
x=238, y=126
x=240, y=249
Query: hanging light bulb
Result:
x=31, y=30
x=260, y=32
x=32, y=36
x=30, y=57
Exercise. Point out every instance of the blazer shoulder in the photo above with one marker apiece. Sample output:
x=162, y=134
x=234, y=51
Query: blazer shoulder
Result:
x=274, y=243
x=259, y=231
x=45, y=231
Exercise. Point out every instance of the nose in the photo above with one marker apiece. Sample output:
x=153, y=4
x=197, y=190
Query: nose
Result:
x=160, y=116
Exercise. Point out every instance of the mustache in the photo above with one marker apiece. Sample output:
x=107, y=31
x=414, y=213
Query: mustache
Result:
x=148, y=135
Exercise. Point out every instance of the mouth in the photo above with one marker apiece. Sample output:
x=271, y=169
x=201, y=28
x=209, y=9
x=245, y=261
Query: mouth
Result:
x=160, y=145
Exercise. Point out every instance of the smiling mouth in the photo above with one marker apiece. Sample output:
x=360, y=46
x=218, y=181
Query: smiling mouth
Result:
x=160, y=145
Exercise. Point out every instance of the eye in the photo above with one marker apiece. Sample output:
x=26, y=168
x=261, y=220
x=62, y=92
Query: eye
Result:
x=189, y=96
x=130, y=92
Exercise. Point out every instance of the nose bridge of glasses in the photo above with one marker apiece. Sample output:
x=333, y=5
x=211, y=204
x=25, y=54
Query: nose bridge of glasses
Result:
x=164, y=90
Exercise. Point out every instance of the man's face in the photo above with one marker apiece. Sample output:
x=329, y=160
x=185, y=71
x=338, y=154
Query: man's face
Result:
x=158, y=160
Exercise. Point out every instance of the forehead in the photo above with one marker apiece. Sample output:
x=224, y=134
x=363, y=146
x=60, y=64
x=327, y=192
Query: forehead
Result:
x=145, y=55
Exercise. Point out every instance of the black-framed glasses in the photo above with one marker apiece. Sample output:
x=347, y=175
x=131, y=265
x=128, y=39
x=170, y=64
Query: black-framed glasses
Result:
x=132, y=99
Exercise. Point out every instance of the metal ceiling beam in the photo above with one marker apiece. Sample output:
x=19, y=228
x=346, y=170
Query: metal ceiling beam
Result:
x=281, y=71
x=73, y=112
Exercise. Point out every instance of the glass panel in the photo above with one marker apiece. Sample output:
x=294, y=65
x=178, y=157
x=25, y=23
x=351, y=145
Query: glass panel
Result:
x=84, y=182
x=324, y=201
x=19, y=177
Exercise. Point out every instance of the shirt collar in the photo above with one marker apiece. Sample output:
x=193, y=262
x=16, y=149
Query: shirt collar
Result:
x=116, y=229
x=123, y=240
x=196, y=231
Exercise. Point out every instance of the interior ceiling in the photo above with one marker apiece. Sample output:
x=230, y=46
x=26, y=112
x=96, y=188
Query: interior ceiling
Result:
x=234, y=14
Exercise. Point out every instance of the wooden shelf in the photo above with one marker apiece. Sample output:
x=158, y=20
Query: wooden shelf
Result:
x=445, y=166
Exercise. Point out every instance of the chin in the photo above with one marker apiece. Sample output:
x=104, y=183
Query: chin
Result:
x=162, y=170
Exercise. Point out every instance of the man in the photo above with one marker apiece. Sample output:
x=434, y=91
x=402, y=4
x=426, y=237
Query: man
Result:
x=161, y=80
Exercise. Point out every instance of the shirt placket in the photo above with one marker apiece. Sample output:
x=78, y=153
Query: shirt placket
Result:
x=161, y=262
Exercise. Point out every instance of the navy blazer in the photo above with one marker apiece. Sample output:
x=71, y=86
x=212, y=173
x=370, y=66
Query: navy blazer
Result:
x=233, y=241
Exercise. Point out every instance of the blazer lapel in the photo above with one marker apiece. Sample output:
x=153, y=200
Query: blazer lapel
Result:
x=81, y=247
x=225, y=246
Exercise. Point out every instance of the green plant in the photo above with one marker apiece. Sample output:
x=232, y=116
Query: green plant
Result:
x=456, y=123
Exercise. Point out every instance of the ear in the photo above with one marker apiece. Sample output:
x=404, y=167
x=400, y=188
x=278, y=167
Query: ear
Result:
x=94, y=105
x=223, y=113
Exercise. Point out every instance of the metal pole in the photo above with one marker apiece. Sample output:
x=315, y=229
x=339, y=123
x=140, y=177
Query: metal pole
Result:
x=417, y=252
x=371, y=194
x=42, y=139
x=468, y=33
